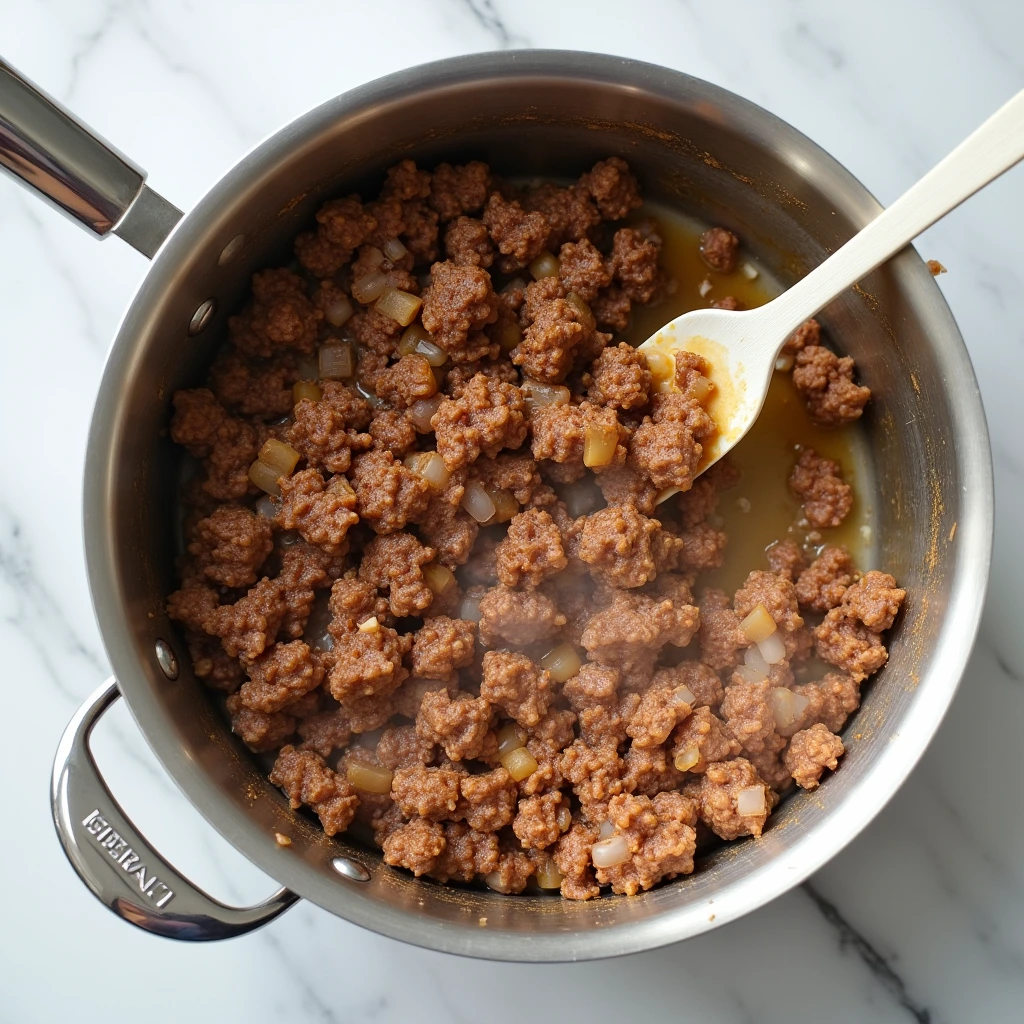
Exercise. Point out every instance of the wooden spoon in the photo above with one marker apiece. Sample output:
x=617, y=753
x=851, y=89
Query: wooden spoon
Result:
x=742, y=346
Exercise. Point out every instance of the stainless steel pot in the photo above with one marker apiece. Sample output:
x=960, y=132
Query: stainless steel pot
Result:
x=718, y=156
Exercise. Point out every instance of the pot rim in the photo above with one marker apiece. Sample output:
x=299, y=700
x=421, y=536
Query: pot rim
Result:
x=970, y=569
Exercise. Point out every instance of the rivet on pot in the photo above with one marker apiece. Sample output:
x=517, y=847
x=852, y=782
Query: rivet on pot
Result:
x=166, y=659
x=201, y=317
x=231, y=250
x=350, y=869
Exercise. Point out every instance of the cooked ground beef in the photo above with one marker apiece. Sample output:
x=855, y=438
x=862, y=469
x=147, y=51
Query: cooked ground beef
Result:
x=515, y=614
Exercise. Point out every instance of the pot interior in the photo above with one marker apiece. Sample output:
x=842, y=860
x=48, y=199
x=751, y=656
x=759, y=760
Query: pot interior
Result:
x=715, y=157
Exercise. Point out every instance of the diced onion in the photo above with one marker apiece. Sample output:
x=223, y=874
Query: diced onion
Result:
x=751, y=800
x=477, y=502
x=599, y=444
x=562, y=662
x=750, y=675
x=375, y=401
x=402, y=307
x=545, y=265
x=422, y=411
x=434, y=354
x=281, y=839
x=394, y=250
x=509, y=335
x=470, y=609
x=416, y=339
x=537, y=395
x=410, y=337
x=431, y=467
x=493, y=881
x=758, y=624
x=754, y=660
x=511, y=736
x=505, y=505
x=787, y=707
x=369, y=778
x=371, y=258
x=701, y=390
x=279, y=456
x=265, y=478
x=581, y=498
x=369, y=288
x=564, y=819
x=519, y=763
x=337, y=361
x=267, y=506
x=684, y=695
x=438, y=577
x=609, y=853
x=687, y=757
x=663, y=368
x=784, y=363
x=371, y=625
x=583, y=311
x=749, y=271
x=306, y=390
x=705, y=287
x=339, y=310
x=548, y=876
x=773, y=648
x=606, y=829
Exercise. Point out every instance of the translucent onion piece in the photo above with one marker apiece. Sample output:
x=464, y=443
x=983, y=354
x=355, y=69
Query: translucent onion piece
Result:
x=609, y=853
x=265, y=478
x=581, y=498
x=477, y=502
x=369, y=288
x=606, y=829
x=394, y=250
x=787, y=707
x=564, y=819
x=701, y=389
x=306, y=390
x=493, y=881
x=758, y=624
x=661, y=365
x=537, y=395
x=749, y=271
x=369, y=778
x=784, y=363
x=438, y=577
x=511, y=736
x=545, y=265
x=562, y=662
x=434, y=354
x=279, y=456
x=750, y=675
x=548, y=876
x=687, y=758
x=337, y=361
x=422, y=411
x=705, y=287
x=371, y=625
x=431, y=467
x=684, y=695
x=773, y=648
x=267, y=506
x=509, y=335
x=751, y=800
x=470, y=609
x=370, y=396
x=339, y=310
x=505, y=505
x=402, y=307
x=599, y=444
x=586, y=317
x=754, y=660
x=519, y=763
x=410, y=337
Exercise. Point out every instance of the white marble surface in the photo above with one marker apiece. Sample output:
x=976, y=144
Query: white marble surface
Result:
x=921, y=919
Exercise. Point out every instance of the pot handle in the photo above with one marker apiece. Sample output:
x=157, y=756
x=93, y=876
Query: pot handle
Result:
x=117, y=864
x=44, y=145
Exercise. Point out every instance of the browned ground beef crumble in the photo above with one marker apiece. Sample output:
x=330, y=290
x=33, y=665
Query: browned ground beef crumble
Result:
x=491, y=698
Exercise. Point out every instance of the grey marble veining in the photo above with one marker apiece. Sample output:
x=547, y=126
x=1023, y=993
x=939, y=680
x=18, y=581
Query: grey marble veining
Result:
x=920, y=919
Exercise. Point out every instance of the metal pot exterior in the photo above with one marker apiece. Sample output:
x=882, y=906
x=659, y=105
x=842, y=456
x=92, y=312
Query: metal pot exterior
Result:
x=723, y=160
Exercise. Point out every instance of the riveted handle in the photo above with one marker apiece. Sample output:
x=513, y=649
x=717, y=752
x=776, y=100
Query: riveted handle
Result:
x=45, y=146
x=114, y=860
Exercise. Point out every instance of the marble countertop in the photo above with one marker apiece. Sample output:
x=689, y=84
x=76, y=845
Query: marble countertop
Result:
x=920, y=919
